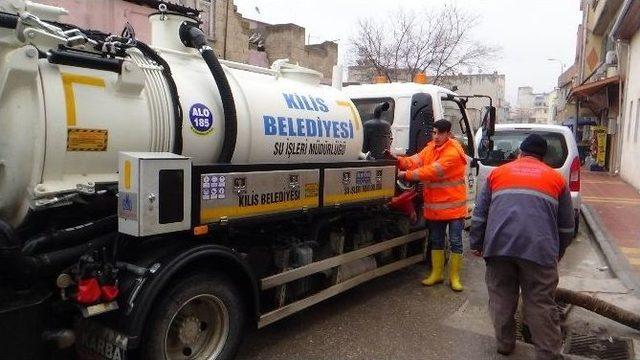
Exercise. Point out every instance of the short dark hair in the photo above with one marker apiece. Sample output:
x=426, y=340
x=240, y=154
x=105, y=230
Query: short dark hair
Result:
x=442, y=125
x=526, y=153
x=534, y=144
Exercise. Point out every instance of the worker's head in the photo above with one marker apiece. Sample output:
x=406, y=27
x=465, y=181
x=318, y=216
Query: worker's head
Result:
x=534, y=145
x=441, y=131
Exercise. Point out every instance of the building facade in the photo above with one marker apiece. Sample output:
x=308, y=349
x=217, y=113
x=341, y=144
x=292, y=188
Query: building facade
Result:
x=232, y=36
x=626, y=31
x=596, y=90
x=531, y=108
x=492, y=85
x=565, y=109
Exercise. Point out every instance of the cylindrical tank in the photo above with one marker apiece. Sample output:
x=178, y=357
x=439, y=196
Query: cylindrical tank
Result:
x=62, y=126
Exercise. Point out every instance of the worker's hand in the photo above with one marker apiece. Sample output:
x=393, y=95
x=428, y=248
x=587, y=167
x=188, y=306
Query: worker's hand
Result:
x=389, y=155
x=401, y=175
x=477, y=253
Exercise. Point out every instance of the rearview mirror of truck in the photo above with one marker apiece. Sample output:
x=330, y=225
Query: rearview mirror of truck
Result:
x=488, y=121
x=488, y=129
x=421, y=122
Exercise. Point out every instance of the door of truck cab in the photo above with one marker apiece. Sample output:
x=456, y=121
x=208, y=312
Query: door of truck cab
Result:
x=442, y=106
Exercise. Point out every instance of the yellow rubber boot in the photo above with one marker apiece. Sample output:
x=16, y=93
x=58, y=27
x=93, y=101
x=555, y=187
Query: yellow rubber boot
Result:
x=455, y=266
x=437, y=268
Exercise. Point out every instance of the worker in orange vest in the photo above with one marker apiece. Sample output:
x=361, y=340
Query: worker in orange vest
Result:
x=440, y=166
x=522, y=224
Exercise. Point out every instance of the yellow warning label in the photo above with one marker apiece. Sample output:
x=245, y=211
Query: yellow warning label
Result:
x=87, y=140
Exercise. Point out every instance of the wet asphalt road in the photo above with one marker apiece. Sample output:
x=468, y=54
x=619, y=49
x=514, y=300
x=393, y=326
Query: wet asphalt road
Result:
x=394, y=317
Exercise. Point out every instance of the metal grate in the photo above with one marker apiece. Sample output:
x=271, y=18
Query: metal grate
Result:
x=593, y=347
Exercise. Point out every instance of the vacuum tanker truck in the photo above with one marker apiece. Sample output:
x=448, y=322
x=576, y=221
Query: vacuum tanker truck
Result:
x=155, y=201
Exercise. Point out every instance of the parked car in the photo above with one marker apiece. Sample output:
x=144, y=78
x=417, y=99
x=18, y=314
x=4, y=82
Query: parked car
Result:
x=562, y=154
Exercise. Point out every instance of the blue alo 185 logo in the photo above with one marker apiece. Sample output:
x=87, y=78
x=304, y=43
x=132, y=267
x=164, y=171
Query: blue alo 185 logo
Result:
x=201, y=119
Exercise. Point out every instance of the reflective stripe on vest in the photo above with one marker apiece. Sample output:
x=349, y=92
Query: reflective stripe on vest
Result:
x=445, y=205
x=566, y=230
x=536, y=193
x=443, y=184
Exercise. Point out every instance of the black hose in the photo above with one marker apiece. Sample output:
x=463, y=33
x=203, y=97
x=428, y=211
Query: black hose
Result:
x=8, y=21
x=193, y=37
x=64, y=257
x=71, y=236
x=599, y=307
x=33, y=266
x=84, y=60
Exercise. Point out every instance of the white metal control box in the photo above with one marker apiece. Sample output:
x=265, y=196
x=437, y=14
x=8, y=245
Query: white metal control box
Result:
x=154, y=193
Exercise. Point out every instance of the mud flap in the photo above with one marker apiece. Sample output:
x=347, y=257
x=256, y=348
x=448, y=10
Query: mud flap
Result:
x=98, y=342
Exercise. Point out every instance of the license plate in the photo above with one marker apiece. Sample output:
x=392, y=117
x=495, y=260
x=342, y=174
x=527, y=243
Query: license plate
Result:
x=97, y=342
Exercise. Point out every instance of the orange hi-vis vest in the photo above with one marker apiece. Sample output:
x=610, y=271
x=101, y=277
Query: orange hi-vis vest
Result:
x=441, y=169
x=517, y=177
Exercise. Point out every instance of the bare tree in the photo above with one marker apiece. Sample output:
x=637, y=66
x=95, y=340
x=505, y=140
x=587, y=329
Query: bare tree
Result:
x=438, y=43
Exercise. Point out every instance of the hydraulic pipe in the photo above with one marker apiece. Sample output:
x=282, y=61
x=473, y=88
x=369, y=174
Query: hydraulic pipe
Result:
x=70, y=236
x=8, y=21
x=193, y=37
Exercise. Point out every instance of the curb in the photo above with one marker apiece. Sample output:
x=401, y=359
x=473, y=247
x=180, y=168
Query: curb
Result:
x=617, y=261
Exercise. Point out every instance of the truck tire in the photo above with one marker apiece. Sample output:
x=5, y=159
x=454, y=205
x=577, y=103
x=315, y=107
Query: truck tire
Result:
x=199, y=317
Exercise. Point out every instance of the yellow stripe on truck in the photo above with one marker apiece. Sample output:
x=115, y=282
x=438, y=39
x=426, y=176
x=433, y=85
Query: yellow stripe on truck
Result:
x=127, y=174
x=362, y=196
x=214, y=214
x=69, y=97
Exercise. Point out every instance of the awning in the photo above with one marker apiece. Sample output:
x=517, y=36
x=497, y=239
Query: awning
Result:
x=581, y=122
x=591, y=88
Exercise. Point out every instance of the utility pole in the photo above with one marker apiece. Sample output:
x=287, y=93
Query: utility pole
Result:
x=226, y=29
x=561, y=64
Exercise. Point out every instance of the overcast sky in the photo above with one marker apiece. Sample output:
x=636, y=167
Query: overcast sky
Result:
x=529, y=32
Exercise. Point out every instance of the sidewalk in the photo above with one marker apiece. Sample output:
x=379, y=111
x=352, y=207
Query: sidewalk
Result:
x=616, y=205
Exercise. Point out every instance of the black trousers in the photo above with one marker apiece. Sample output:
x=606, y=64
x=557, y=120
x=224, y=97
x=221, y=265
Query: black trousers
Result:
x=506, y=279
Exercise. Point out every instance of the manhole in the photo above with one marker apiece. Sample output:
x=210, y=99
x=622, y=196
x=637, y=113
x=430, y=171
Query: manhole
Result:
x=609, y=348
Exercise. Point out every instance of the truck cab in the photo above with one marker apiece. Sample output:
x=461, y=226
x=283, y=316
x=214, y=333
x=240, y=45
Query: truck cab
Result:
x=441, y=103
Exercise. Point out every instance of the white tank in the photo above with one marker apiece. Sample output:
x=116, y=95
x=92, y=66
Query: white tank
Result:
x=62, y=126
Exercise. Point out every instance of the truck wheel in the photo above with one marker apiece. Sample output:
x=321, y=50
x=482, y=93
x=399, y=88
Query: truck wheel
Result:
x=200, y=317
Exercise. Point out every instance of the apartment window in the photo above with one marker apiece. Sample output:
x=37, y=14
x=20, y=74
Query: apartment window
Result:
x=635, y=134
x=629, y=119
x=207, y=16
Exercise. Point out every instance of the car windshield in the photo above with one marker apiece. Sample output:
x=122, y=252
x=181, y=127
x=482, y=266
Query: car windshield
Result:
x=506, y=145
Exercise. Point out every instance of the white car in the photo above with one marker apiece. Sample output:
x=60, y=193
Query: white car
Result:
x=562, y=154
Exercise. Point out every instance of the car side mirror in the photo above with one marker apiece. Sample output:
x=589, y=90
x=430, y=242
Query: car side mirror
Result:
x=488, y=129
